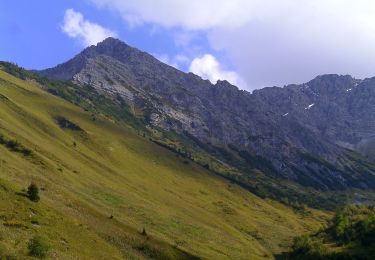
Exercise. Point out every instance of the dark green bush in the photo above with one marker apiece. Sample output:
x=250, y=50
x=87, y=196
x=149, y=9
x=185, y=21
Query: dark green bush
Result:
x=307, y=248
x=37, y=247
x=33, y=192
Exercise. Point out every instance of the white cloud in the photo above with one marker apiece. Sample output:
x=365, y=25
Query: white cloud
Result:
x=75, y=26
x=271, y=42
x=192, y=14
x=207, y=14
x=296, y=44
x=209, y=68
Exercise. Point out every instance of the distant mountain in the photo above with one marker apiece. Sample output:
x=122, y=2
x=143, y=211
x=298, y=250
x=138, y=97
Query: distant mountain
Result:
x=320, y=134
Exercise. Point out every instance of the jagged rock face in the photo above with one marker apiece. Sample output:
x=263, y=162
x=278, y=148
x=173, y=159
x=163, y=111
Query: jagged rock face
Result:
x=322, y=117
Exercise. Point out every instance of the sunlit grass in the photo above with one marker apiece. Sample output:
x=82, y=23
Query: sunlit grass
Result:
x=101, y=186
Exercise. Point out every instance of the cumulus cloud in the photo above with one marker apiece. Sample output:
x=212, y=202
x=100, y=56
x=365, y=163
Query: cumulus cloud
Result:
x=270, y=42
x=205, y=66
x=89, y=33
x=295, y=45
x=192, y=14
x=209, y=68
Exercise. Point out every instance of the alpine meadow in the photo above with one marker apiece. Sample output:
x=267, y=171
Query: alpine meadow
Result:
x=181, y=149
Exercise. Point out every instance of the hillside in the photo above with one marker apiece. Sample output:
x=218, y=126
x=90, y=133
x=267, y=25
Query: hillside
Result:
x=102, y=182
x=295, y=143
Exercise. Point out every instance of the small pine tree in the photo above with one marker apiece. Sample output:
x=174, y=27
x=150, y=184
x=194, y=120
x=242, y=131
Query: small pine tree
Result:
x=144, y=233
x=33, y=192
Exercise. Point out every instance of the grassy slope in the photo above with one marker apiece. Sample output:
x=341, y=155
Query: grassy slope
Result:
x=113, y=171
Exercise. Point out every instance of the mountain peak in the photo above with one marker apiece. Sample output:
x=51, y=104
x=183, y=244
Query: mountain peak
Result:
x=110, y=40
x=111, y=43
x=333, y=83
x=111, y=47
x=333, y=77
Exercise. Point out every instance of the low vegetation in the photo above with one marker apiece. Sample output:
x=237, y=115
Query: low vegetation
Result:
x=14, y=146
x=38, y=247
x=351, y=235
x=66, y=124
x=33, y=192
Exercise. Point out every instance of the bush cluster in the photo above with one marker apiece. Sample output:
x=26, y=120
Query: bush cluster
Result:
x=355, y=224
x=352, y=228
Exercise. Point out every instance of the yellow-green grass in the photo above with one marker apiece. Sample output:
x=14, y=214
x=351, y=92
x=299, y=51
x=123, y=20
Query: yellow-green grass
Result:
x=113, y=171
x=22, y=219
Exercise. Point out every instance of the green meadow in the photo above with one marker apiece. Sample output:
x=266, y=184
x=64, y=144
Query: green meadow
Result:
x=109, y=193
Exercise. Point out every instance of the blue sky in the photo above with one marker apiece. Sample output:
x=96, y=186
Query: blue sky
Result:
x=32, y=36
x=250, y=43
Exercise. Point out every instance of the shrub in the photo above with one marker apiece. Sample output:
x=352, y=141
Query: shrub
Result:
x=37, y=247
x=366, y=229
x=342, y=228
x=26, y=151
x=307, y=248
x=33, y=192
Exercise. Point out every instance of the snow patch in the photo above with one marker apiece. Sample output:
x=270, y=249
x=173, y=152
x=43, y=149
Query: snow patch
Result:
x=347, y=90
x=309, y=106
x=286, y=114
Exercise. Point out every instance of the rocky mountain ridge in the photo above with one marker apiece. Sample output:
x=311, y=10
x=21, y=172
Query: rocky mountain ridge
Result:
x=311, y=133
